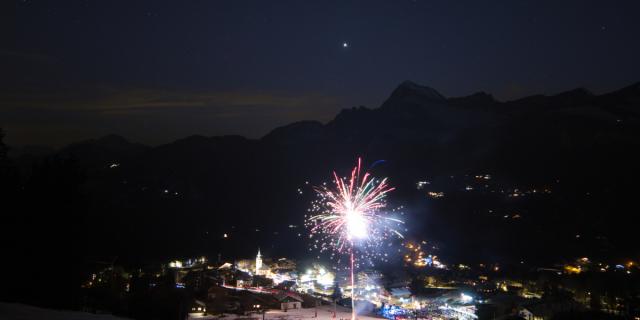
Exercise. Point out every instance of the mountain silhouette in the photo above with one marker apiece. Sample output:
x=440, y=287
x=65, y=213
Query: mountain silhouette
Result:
x=179, y=198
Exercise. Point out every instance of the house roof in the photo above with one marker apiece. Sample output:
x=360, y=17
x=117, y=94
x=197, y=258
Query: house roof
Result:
x=286, y=296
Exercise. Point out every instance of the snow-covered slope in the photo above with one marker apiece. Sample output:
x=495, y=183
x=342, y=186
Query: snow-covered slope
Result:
x=15, y=311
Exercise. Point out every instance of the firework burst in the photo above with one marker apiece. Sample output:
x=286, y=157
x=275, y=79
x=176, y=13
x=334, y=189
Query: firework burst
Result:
x=352, y=212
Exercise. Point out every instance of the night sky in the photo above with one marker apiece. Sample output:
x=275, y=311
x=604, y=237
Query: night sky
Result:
x=156, y=71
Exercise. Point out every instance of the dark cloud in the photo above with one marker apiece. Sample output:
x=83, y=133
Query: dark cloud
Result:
x=151, y=116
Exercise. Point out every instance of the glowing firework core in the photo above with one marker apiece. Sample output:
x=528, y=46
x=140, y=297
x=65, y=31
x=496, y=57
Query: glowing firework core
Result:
x=356, y=225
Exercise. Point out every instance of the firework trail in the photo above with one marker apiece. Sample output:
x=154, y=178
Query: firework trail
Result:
x=348, y=218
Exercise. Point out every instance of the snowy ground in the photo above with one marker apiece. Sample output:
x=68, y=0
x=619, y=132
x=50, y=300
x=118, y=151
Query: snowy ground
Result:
x=15, y=311
x=323, y=313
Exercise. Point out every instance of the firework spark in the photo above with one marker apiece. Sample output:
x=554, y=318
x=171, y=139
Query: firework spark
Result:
x=351, y=212
x=350, y=215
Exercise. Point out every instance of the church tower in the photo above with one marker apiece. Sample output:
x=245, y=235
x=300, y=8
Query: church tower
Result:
x=258, y=263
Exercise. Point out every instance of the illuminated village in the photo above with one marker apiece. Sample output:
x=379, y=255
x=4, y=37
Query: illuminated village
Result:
x=280, y=288
x=414, y=282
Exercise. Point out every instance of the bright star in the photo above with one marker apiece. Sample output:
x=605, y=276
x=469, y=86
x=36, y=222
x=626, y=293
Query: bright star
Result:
x=345, y=45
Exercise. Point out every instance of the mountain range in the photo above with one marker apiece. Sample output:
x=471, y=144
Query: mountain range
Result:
x=178, y=199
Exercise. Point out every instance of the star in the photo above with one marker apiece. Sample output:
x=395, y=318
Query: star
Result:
x=345, y=45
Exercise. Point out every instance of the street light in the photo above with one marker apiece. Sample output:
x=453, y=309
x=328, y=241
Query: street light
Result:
x=256, y=307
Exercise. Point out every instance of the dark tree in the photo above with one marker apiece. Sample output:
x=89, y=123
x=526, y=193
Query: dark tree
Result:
x=3, y=148
x=417, y=285
x=9, y=187
x=7, y=172
x=46, y=228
